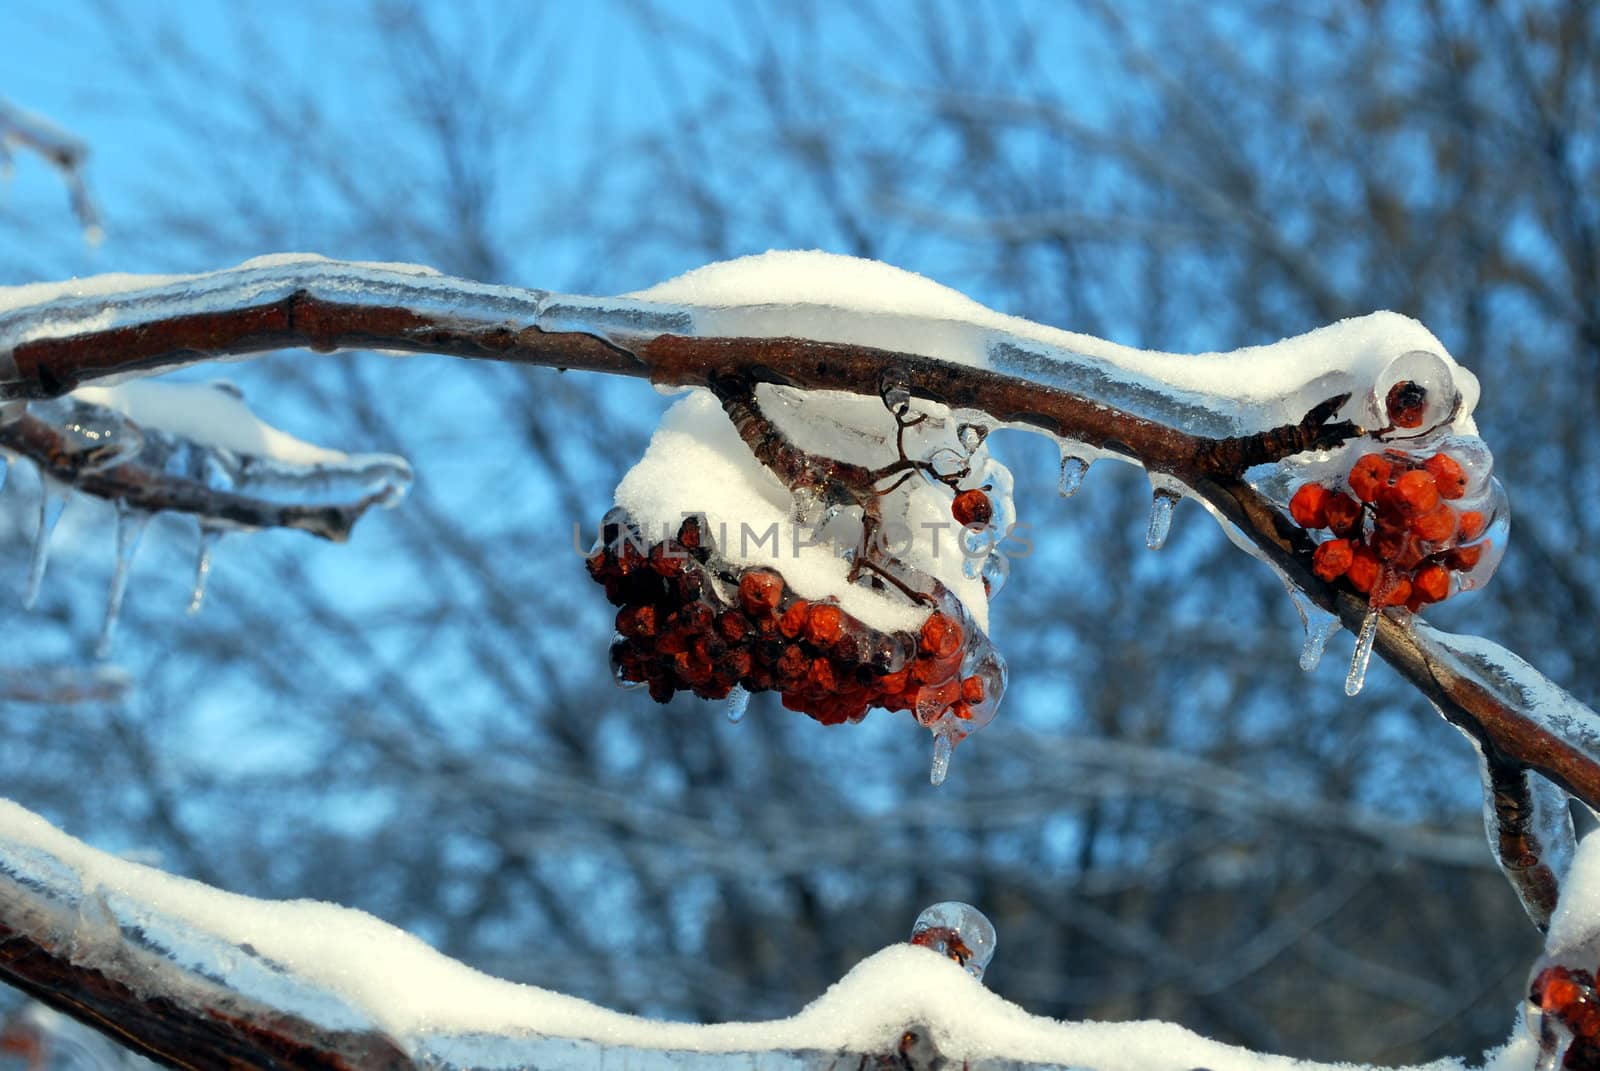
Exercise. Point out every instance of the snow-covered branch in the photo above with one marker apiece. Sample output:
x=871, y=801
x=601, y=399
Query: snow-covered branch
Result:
x=198, y=978
x=773, y=325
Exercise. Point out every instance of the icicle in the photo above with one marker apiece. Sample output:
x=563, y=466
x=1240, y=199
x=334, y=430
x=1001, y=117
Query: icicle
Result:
x=959, y=931
x=738, y=702
x=1358, y=664
x=4, y=466
x=1073, y=470
x=130, y=526
x=943, y=745
x=52, y=500
x=1162, y=503
x=1318, y=624
x=210, y=536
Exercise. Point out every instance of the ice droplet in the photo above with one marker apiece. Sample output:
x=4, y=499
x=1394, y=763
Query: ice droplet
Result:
x=1073, y=470
x=738, y=702
x=130, y=527
x=996, y=570
x=940, y=769
x=1162, y=502
x=959, y=931
x=52, y=500
x=1363, y=654
x=210, y=536
x=1318, y=624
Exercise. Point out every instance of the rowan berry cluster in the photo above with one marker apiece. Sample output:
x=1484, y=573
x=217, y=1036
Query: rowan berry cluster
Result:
x=1398, y=534
x=1567, y=995
x=688, y=621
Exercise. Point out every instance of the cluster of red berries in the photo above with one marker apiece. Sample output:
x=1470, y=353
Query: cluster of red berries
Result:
x=689, y=622
x=1397, y=534
x=1568, y=996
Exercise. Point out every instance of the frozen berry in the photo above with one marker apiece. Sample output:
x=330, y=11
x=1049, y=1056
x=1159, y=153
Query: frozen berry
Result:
x=972, y=508
x=1343, y=514
x=941, y=636
x=824, y=625
x=1369, y=476
x=1431, y=583
x=1392, y=589
x=759, y=591
x=1413, y=492
x=793, y=620
x=1448, y=474
x=1308, y=505
x=1407, y=404
x=1331, y=559
x=1437, y=525
x=1472, y=525
x=1363, y=570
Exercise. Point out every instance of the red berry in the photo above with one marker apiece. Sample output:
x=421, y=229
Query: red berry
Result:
x=1331, y=559
x=759, y=591
x=1407, y=404
x=1363, y=571
x=1472, y=525
x=793, y=619
x=1448, y=474
x=1431, y=583
x=972, y=690
x=1413, y=492
x=1437, y=525
x=825, y=624
x=1369, y=476
x=941, y=635
x=1308, y=504
x=1343, y=514
x=1464, y=559
x=972, y=508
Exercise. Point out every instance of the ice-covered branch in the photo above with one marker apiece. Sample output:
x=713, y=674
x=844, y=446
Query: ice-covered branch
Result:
x=1204, y=426
x=198, y=978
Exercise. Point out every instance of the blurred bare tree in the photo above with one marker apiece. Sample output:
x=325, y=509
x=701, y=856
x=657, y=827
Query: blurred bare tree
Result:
x=1168, y=819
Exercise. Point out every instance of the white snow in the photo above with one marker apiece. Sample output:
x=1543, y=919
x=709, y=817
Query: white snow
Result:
x=348, y=969
x=825, y=296
x=209, y=415
x=697, y=464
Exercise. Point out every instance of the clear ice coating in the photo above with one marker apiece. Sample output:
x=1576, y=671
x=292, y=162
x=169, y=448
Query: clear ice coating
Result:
x=131, y=524
x=93, y=437
x=210, y=536
x=958, y=931
x=52, y=500
x=1163, y=500
x=1363, y=654
x=738, y=704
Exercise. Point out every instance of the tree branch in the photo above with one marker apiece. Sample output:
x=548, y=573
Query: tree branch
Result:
x=72, y=338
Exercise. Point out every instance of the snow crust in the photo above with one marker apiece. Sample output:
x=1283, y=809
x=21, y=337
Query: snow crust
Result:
x=348, y=970
x=835, y=298
x=697, y=464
